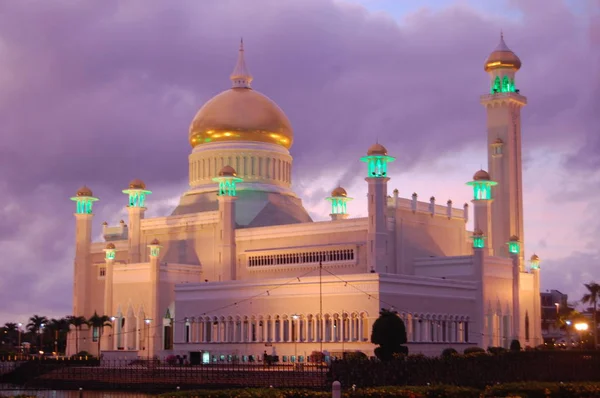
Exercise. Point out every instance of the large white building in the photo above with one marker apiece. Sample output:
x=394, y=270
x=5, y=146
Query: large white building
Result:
x=240, y=268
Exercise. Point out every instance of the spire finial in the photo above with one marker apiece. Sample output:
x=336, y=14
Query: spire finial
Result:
x=501, y=35
x=241, y=77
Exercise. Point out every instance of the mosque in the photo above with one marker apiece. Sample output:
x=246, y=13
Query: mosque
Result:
x=239, y=268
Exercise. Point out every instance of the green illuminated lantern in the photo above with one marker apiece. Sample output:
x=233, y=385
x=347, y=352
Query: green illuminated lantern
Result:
x=478, y=239
x=377, y=160
x=482, y=185
x=137, y=193
x=339, y=198
x=154, y=248
x=84, y=198
x=534, y=262
x=514, y=246
x=227, y=180
x=110, y=251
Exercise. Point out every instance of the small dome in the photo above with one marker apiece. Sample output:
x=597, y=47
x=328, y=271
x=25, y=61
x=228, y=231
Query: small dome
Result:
x=227, y=171
x=514, y=238
x=104, y=223
x=155, y=242
x=137, y=184
x=396, y=191
x=84, y=191
x=121, y=222
x=502, y=58
x=481, y=175
x=535, y=258
x=377, y=150
x=432, y=199
x=110, y=246
x=339, y=192
x=478, y=233
x=498, y=141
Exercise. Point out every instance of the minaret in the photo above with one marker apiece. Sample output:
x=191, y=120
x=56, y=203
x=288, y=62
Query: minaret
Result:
x=137, y=193
x=109, y=260
x=241, y=77
x=84, y=200
x=377, y=232
x=534, y=268
x=479, y=255
x=514, y=250
x=482, y=201
x=155, y=310
x=227, y=180
x=503, y=105
x=339, y=198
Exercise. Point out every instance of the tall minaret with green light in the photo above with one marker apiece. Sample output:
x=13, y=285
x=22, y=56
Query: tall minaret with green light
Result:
x=377, y=233
x=136, y=207
x=503, y=105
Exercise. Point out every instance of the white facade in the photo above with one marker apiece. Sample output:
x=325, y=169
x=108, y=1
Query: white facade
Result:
x=239, y=268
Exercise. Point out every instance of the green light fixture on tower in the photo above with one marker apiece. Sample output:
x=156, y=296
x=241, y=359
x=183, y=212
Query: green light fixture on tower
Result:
x=482, y=185
x=227, y=180
x=84, y=198
x=137, y=193
x=478, y=239
x=339, y=198
x=534, y=262
x=377, y=160
x=514, y=245
x=110, y=251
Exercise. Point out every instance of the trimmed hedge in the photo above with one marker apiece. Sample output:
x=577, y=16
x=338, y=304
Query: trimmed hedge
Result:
x=521, y=390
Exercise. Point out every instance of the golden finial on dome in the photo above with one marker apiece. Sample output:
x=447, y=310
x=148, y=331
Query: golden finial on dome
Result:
x=339, y=192
x=502, y=57
x=84, y=191
x=481, y=175
x=377, y=150
x=137, y=184
x=227, y=171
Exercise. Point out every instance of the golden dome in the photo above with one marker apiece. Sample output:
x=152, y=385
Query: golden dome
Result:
x=339, y=192
x=110, y=246
x=514, y=238
x=104, y=223
x=137, y=184
x=84, y=191
x=502, y=57
x=481, y=175
x=377, y=150
x=241, y=114
x=155, y=242
x=227, y=171
x=535, y=258
x=478, y=232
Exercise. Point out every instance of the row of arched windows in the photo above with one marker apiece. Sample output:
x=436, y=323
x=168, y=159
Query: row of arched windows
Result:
x=245, y=166
x=314, y=257
x=506, y=85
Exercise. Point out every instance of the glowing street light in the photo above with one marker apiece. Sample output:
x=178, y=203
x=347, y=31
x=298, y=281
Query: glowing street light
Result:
x=581, y=327
x=147, y=322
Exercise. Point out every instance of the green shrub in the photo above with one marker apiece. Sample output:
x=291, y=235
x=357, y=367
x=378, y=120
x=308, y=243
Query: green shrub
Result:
x=449, y=352
x=497, y=350
x=473, y=350
x=515, y=345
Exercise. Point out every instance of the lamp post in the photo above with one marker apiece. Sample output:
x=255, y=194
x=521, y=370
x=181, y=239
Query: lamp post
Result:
x=581, y=327
x=41, y=350
x=19, y=338
x=295, y=331
x=147, y=322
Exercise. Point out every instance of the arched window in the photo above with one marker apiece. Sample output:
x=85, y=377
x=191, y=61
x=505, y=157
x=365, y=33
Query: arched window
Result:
x=526, y=326
x=496, y=86
x=505, y=84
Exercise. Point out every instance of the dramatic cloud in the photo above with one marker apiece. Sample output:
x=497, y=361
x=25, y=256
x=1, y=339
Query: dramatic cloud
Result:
x=102, y=92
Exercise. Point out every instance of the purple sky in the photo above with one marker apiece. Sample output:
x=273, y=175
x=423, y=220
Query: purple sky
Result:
x=101, y=92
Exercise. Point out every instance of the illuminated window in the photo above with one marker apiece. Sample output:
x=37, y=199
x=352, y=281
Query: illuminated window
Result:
x=95, y=333
x=496, y=86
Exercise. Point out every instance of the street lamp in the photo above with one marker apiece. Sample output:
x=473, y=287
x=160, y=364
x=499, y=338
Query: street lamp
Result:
x=295, y=331
x=581, y=327
x=147, y=322
x=19, y=325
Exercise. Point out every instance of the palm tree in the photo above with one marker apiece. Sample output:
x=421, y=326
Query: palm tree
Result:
x=35, y=326
x=78, y=322
x=59, y=328
x=97, y=321
x=591, y=297
x=10, y=329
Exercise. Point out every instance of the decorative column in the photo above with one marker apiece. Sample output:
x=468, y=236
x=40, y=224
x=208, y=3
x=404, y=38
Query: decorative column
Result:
x=534, y=267
x=109, y=261
x=227, y=180
x=482, y=201
x=479, y=256
x=84, y=200
x=339, y=198
x=377, y=232
x=155, y=311
x=514, y=250
x=137, y=193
